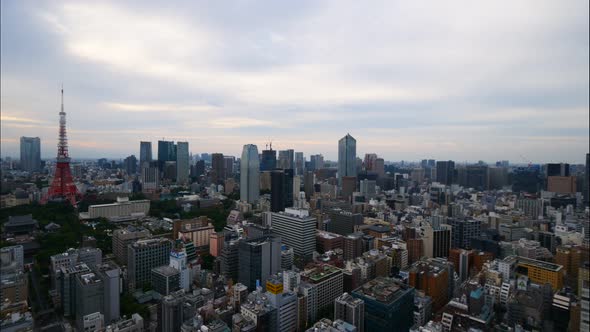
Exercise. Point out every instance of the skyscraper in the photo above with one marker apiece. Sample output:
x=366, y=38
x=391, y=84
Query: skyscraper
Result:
x=217, y=168
x=30, y=154
x=277, y=190
x=299, y=163
x=249, y=174
x=346, y=157
x=586, y=188
x=286, y=159
x=259, y=258
x=145, y=152
x=130, y=164
x=268, y=160
x=182, y=162
x=297, y=230
x=445, y=171
x=166, y=152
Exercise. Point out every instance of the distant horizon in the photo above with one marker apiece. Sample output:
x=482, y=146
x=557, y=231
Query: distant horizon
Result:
x=457, y=80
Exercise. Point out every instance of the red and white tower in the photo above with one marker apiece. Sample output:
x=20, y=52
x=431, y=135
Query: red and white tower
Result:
x=62, y=186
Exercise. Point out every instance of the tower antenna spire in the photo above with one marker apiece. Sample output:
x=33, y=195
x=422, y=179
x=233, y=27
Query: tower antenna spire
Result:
x=62, y=97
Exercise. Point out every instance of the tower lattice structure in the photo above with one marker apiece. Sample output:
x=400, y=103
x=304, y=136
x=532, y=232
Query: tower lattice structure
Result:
x=62, y=186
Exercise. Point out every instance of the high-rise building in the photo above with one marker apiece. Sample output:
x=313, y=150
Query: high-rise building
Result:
x=130, y=164
x=285, y=301
x=353, y=245
x=320, y=284
x=463, y=230
x=445, y=172
x=268, y=160
x=288, y=187
x=557, y=170
x=217, y=168
x=165, y=279
x=125, y=236
x=297, y=230
x=249, y=174
x=379, y=167
x=346, y=157
x=317, y=162
x=350, y=310
x=182, y=162
x=229, y=166
x=89, y=296
x=389, y=304
x=259, y=258
x=344, y=222
x=145, y=153
x=369, y=161
x=348, y=187
x=166, y=152
x=277, y=190
x=197, y=230
x=30, y=154
x=229, y=260
x=286, y=159
x=110, y=274
x=431, y=277
x=150, y=176
x=299, y=163
x=586, y=189
x=171, y=314
x=143, y=256
x=308, y=184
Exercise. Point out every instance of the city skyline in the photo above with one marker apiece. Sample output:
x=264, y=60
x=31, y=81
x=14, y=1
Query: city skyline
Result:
x=447, y=83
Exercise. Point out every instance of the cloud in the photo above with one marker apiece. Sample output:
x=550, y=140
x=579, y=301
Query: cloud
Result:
x=408, y=79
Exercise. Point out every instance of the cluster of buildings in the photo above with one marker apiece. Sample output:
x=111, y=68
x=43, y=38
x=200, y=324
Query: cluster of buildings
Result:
x=353, y=245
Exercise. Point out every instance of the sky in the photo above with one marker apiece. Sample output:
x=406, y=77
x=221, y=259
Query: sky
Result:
x=460, y=80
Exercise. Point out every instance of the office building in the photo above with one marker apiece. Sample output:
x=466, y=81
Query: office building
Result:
x=89, y=296
x=122, y=209
x=463, y=230
x=286, y=159
x=350, y=310
x=197, y=230
x=432, y=277
x=297, y=230
x=217, y=168
x=321, y=284
x=110, y=274
x=12, y=258
x=14, y=286
x=288, y=187
x=586, y=188
x=277, y=191
x=422, y=308
x=165, y=279
x=132, y=324
x=30, y=154
x=249, y=174
x=229, y=166
x=344, y=222
x=198, y=169
x=445, y=172
x=229, y=260
x=268, y=160
x=539, y=272
x=171, y=315
x=166, y=152
x=130, y=165
x=123, y=237
x=317, y=162
x=93, y=322
x=388, y=304
x=346, y=157
x=182, y=162
x=145, y=153
x=150, y=176
x=259, y=258
x=557, y=169
x=143, y=256
x=353, y=245
x=379, y=167
x=299, y=163
x=284, y=301
x=561, y=184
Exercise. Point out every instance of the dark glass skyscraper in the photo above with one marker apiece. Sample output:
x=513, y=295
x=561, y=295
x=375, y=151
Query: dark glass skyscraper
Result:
x=30, y=154
x=249, y=174
x=166, y=152
x=277, y=190
x=145, y=152
x=346, y=157
x=268, y=161
x=445, y=171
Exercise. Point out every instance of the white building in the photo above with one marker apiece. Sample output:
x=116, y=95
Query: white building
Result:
x=122, y=209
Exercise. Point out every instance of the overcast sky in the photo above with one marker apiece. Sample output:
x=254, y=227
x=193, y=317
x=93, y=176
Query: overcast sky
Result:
x=461, y=80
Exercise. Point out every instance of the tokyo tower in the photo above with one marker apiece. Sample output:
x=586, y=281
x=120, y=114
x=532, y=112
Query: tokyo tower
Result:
x=62, y=187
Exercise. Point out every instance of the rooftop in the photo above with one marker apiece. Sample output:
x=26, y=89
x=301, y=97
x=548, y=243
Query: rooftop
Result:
x=320, y=272
x=165, y=270
x=384, y=290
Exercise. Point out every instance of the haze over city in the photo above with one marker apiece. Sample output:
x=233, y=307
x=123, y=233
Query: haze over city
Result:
x=455, y=80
